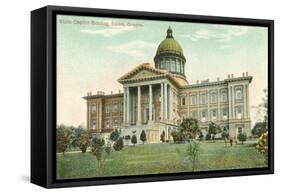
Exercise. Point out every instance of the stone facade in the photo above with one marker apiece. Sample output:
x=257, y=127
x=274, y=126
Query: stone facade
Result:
x=156, y=99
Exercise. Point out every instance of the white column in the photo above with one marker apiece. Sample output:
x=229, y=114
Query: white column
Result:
x=171, y=103
x=124, y=106
x=128, y=106
x=162, y=102
x=165, y=101
x=139, y=106
x=150, y=103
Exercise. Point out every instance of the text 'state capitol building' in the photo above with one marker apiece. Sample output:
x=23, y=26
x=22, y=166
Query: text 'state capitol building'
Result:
x=156, y=99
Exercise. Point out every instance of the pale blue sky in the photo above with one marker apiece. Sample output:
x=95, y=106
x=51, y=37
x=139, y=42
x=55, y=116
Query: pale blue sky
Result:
x=93, y=52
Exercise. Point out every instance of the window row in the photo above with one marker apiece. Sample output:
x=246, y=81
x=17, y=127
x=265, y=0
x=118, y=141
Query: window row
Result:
x=213, y=98
x=116, y=107
x=203, y=117
x=213, y=114
x=115, y=123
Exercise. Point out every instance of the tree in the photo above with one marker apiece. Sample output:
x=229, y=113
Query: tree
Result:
x=83, y=141
x=134, y=139
x=76, y=132
x=119, y=144
x=225, y=133
x=143, y=136
x=201, y=136
x=189, y=128
x=214, y=129
x=162, y=136
x=177, y=137
x=114, y=136
x=63, y=138
x=262, y=146
x=101, y=151
x=259, y=129
x=193, y=153
x=242, y=137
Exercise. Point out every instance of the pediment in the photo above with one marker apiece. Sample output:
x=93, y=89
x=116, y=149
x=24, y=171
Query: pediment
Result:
x=142, y=72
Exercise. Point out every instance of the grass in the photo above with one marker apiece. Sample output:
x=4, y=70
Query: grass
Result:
x=159, y=158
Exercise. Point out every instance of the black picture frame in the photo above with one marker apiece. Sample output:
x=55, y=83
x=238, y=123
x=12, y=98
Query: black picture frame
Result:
x=43, y=95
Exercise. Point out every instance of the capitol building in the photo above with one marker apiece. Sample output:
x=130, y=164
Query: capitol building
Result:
x=157, y=97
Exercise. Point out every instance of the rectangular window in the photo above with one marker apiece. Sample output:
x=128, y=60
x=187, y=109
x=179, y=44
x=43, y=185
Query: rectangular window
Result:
x=193, y=100
x=224, y=97
x=238, y=94
x=94, y=124
x=194, y=114
x=214, y=114
x=239, y=112
x=94, y=108
x=115, y=107
x=106, y=108
x=183, y=101
x=213, y=98
x=203, y=116
x=106, y=123
x=203, y=99
x=115, y=123
x=224, y=113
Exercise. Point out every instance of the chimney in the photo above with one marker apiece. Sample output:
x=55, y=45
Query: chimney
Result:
x=246, y=73
x=243, y=74
x=218, y=79
x=232, y=75
x=89, y=94
x=228, y=76
x=119, y=91
x=100, y=93
x=197, y=82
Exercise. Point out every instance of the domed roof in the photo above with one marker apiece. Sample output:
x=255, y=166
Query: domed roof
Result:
x=169, y=45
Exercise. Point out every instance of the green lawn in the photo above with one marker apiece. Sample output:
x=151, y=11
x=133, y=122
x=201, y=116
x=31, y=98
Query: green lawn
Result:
x=159, y=158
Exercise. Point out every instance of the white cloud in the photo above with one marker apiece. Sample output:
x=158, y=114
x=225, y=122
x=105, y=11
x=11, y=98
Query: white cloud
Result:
x=134, y=48
x=221, y=34
x=110, y=31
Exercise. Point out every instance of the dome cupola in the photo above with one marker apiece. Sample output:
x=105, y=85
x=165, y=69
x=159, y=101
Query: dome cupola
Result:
x=169, y=55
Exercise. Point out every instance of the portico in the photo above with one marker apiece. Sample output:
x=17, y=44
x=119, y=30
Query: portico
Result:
x=146, y=103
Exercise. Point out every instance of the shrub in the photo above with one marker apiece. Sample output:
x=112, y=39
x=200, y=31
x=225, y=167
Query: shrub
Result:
x=114, y=136
x=242, y=137
x=262, y=146
x=201, y=136
x=259, y=129
x=177, y=136
x=208, y=136
x=143, y=136
x=134, y=139
x=119, y=144
x=162, y=136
